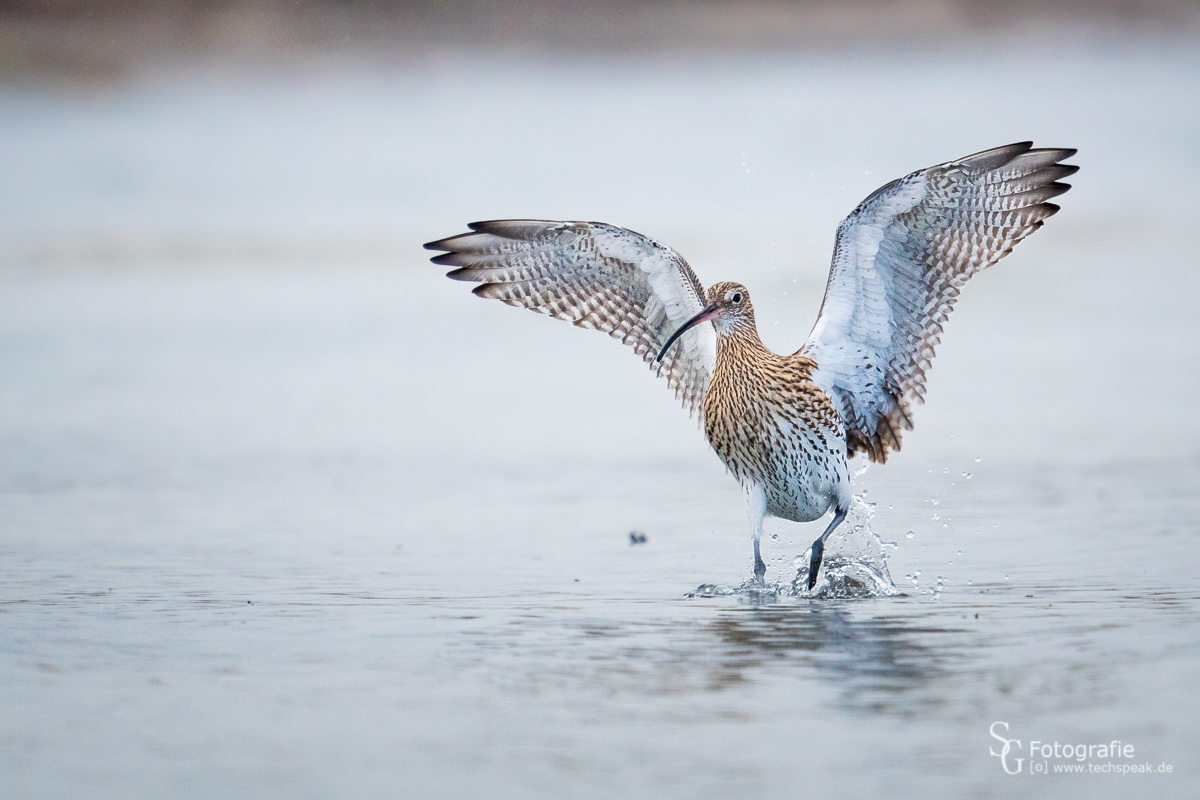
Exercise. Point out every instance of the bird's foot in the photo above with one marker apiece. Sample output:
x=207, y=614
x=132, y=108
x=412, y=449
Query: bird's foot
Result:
x=760, y=569
x=814, y=564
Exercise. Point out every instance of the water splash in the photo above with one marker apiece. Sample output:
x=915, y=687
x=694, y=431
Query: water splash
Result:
x=855, y=565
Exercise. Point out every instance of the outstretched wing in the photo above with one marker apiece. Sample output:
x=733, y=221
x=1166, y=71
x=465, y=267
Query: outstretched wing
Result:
x=900, y=260
x=596, y=276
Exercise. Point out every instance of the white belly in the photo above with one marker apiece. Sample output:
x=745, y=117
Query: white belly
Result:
x=804, y=473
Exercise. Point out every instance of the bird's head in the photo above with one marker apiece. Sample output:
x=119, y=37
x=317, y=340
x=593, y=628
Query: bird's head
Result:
x=728, y=308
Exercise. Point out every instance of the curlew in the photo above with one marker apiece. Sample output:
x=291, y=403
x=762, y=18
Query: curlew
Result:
x=784, y=426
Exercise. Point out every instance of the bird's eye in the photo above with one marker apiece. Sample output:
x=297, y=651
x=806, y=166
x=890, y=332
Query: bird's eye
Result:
x=737, y=297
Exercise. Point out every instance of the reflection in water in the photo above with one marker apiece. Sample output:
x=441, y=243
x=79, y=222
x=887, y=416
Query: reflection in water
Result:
x=884, y=664
x=1039, y=650
x=873, y=662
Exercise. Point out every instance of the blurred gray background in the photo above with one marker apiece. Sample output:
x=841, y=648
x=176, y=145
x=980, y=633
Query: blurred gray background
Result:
x=283, y=512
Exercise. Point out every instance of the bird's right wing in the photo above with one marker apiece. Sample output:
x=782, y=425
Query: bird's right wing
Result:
x=901, y=258
x=596, y=276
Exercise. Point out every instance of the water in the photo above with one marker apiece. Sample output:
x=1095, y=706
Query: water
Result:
x=283, y=512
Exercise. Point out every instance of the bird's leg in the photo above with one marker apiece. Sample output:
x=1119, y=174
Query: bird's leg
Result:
x=818, y=547
x=756, y=510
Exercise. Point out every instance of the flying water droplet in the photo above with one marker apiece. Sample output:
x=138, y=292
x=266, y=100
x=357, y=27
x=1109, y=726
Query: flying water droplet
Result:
x=978, y=459
x=909, y=535
x=967, y=475
x=936, y=515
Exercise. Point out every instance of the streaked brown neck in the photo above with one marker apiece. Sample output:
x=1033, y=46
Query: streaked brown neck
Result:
x=738, y=339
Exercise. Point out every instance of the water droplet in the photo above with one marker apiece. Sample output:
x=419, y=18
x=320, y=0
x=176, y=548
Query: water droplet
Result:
x=934, y=500
x=978, y=459
x=918, y=572
x=945, y=469
x=945, y=524
x=1005, y=577
x=909, y=535
x=936, y=515
x=968, y=583
x=967, y=475
x=960, y=552
x=775, y=537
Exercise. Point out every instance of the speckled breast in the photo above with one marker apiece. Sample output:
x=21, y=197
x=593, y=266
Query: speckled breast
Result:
x=772, y=427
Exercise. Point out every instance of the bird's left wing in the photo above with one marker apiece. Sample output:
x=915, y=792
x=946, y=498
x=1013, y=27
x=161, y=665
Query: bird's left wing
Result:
x=597, y=276
x=901, y=258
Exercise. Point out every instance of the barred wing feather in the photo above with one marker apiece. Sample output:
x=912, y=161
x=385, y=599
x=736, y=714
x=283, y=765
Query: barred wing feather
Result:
x=900, y=260
x=595, y=276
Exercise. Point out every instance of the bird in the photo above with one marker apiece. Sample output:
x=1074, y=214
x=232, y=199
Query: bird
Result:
x=785, y=426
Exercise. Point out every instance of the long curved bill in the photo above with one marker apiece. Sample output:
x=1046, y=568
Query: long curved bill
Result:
x=704, y=316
